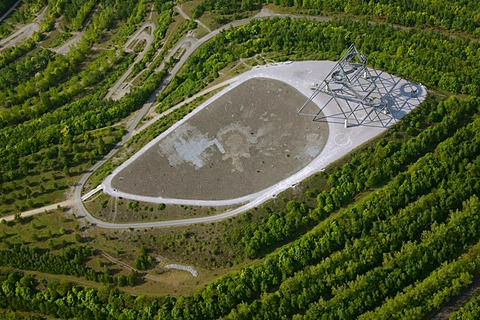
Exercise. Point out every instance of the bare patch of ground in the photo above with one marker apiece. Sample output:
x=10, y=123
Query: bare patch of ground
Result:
x=243, y=142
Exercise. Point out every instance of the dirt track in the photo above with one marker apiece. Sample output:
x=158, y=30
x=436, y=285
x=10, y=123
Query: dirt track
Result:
x=24, y=32
x=243, y=142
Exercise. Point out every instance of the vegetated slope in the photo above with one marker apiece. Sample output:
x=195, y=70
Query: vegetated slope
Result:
x=390, y=239
x=385, y=47
x=394, y=233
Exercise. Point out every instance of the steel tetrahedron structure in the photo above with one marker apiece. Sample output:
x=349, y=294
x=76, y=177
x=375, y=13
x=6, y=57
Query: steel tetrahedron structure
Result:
x=358, y=92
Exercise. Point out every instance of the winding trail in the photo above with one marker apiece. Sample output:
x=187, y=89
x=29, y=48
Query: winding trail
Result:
x=184, y=15
x=33, y=212
x=77, y=36
x=65, y=47
x=128, y=267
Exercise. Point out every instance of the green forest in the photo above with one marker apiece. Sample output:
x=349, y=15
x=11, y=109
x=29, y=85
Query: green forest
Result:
x=392, y=230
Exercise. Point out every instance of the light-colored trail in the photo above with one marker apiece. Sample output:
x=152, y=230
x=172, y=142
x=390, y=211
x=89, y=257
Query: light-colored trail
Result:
x=120, y=88
x=185, y=16
x=127, y=266
x=24, y=32
x=51, y=207
x=190, y=45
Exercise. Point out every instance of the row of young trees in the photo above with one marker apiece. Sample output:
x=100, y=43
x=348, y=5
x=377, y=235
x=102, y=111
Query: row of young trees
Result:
x=76, y=12
x=48, y=78
x=69, y=261
x=410, y=264
x=24, y=12
x=418, y=299
x=430, y=171
x=65, y=300
x=57, y=82
x=343, y=268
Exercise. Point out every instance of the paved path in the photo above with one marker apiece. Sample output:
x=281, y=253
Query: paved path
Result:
x=77, y=36
x=65, y=47
x=184, y=15
x=5, y=15
x=92, y=192
x=25, y=214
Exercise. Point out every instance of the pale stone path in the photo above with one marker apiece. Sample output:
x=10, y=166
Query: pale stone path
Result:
x=339, y=139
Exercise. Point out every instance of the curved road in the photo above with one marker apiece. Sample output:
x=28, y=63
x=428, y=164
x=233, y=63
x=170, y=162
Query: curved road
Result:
x=81, y=211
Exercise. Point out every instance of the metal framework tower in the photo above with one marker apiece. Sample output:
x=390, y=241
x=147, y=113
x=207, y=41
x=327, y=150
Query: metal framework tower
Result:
x=353, y=88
